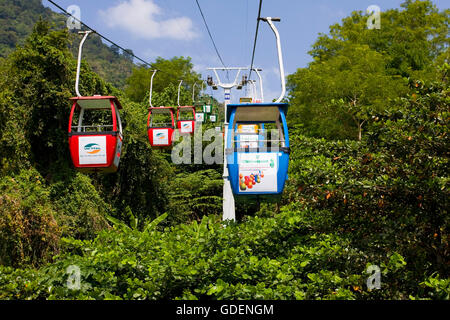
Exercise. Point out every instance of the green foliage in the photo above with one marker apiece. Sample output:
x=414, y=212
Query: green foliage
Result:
x=34, y=215
x=410, y=38
x=17, y=19
x=345, y=88
x=172, y=71
x=389, y=193
x=262, y=259
x=80, y=209
x=194, y=195
x=436, y=288
x=29, y=233
x=356, y=70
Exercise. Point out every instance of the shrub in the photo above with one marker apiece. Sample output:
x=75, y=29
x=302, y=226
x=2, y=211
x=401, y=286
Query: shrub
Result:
x=29, y=233
x=81, y=211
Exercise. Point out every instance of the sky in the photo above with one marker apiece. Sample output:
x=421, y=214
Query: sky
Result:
x=169, y=28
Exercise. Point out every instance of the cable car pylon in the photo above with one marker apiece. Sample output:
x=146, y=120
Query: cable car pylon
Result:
x=229, y=212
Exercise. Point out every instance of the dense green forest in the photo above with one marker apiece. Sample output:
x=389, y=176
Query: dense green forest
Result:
x=368, y=178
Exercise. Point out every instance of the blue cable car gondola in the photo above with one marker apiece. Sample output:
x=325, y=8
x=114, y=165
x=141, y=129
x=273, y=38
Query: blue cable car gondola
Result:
x=257, y=166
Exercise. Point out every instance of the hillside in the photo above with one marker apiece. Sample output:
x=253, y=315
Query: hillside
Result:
x=17, y=18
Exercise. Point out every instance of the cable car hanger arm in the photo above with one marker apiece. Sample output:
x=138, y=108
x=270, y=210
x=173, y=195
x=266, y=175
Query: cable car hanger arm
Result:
x=179, y=88
x=270, y=20
x=151, y=88
x=80, y=51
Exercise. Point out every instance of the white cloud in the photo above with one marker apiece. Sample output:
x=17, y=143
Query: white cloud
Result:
x=144, y=19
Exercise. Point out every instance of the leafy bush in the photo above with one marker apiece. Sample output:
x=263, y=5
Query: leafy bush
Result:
x=389, y=193
x=194, y=195
x=263, y=258
x=29, y=233
x=81, y=211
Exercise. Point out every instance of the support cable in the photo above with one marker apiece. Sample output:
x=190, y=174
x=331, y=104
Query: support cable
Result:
x=108, y=40
x=211, y=37
x=256, y=38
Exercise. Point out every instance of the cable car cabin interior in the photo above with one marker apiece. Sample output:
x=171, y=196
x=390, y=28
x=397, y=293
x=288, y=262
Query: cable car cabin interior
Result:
x=257, y=150
x=161, y=126
x=186, y=119
x=95, y=133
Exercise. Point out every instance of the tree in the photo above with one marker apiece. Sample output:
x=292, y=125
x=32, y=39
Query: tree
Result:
x=412, y=43
x=348, y=85
x=128, y=54
x=171, y=71
x=410, y=38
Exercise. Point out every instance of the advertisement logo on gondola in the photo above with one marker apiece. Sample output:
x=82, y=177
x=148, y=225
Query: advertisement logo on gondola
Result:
x=186, y=127
x=160, y=137
x=199, y=117
x=92, y=148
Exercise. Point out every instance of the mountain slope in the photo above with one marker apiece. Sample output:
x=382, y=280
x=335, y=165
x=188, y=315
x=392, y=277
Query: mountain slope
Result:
x=17, y=18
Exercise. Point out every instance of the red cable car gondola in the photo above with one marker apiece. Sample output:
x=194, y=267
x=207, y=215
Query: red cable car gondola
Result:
x=186, y=119
x=160, y=123
x=160, y=131
x=185, y=116
x=97, y=145
x=95, y=148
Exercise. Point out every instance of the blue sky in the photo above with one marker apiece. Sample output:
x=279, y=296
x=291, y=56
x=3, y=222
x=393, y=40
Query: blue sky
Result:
x=168, y=28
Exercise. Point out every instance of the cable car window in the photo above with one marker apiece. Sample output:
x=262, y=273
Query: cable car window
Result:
x=259, y=137
x=161, y=119
x=92, y=120
x=186, y=114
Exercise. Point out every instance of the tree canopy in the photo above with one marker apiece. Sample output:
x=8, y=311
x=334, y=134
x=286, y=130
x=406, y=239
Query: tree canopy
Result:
x=355, y=69
x=171, y=71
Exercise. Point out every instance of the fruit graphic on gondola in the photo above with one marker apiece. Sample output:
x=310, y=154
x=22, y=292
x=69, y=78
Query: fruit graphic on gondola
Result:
x=247, y=182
